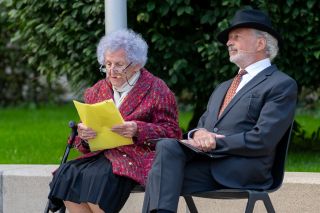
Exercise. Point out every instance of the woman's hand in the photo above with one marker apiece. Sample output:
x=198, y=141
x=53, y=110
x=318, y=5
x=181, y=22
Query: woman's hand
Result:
x=128, y=129
x=86, y=133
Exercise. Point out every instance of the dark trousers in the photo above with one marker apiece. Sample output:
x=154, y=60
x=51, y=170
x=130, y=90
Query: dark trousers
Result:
x=176, y=171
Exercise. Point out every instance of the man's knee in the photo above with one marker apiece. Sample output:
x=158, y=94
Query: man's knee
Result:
x=168, y=149
x=167, y=145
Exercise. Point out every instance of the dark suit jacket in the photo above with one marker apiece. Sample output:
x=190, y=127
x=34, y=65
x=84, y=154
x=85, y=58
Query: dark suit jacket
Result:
x=253, y=123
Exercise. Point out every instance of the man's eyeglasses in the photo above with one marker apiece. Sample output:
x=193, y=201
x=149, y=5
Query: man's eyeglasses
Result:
x=116, y=69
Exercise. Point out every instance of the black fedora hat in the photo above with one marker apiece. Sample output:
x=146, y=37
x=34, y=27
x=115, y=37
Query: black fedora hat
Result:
x=250, y=18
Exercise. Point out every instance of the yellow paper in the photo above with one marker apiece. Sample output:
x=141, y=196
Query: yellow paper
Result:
x=101, y=117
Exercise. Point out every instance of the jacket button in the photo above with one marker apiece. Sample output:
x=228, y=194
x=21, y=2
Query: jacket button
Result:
x=130, y=163
x=215, y=129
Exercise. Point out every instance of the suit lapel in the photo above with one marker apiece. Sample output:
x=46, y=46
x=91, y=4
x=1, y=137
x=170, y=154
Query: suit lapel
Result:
x=252, y=83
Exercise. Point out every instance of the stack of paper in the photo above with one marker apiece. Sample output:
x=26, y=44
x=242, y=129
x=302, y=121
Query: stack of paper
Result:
x=101, y=117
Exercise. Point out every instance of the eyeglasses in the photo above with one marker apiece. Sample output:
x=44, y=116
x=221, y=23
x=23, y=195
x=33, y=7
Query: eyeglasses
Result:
x=116, y=68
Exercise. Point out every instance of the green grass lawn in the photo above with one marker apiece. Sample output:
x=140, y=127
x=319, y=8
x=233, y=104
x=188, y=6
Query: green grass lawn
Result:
x=303, y=161
x=34, y=136
x=307, y=161
x=38, y=136
x=310, y=123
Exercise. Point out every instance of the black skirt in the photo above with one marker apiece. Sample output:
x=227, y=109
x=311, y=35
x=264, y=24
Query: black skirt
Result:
x=89, y=180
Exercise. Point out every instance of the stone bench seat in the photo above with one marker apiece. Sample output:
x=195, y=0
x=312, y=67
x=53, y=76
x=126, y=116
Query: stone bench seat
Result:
x=24, y=188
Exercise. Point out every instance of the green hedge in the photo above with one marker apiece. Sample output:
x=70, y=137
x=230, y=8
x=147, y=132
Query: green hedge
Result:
x=60, y=37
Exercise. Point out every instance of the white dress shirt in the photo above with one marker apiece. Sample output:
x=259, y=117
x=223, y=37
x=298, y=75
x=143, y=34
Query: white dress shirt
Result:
x=253, y=70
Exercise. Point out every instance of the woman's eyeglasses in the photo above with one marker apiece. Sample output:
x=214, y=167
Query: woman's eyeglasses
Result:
x=116, y=69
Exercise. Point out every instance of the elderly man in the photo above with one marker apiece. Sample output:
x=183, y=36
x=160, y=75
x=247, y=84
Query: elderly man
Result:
x=244, y=121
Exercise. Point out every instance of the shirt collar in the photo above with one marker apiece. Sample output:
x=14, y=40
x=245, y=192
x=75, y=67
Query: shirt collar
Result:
x=255, y=68
x=127, y=87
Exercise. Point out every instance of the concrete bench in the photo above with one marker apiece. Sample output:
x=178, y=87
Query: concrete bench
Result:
x=24, y=188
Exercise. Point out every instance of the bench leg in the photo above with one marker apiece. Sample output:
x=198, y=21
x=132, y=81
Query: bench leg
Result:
x=267, y=203
x=264, y=197
x=191, y=207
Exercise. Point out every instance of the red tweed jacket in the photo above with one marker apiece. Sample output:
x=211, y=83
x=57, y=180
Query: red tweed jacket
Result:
x=152, y=106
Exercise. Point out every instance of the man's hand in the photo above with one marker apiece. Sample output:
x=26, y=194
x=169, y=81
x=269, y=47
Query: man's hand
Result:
x=128, y=129
x=86, y=133
x=204, y=140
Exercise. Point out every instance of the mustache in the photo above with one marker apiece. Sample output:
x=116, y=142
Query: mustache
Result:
x=231, y=48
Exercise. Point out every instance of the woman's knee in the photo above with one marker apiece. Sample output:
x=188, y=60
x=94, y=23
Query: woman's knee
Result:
x=76, y=207
x=95, y=208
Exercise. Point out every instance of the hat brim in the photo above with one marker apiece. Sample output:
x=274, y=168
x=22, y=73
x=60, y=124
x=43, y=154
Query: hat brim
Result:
x=223, y=35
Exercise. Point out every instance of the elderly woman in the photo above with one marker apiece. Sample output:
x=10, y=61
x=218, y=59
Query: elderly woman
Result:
x=101, y=181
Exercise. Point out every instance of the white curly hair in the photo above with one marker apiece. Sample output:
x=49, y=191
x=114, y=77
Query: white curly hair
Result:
x=272, y=47
x=132, y=43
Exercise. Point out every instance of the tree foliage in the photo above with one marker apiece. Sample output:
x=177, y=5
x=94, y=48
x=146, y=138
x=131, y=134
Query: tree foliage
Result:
x=60, y=37
x=20, y=85
x=183, y=35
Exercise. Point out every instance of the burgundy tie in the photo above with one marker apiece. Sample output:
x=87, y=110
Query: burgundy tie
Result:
x=232, y=90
